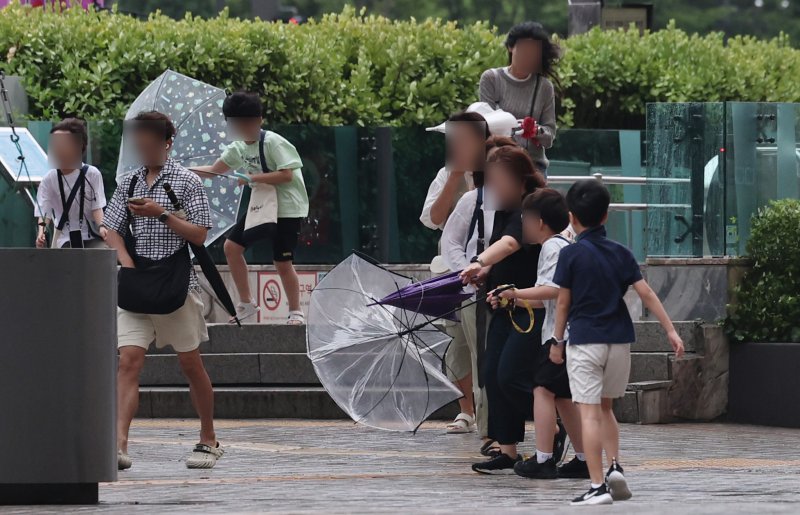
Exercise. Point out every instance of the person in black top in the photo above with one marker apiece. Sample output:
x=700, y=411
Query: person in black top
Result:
x=513, y=339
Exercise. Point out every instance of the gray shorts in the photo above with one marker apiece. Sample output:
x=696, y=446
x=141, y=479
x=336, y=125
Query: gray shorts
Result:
x=598, y=371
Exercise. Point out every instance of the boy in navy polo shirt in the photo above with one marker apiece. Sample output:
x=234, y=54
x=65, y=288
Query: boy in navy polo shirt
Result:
x=593, y=276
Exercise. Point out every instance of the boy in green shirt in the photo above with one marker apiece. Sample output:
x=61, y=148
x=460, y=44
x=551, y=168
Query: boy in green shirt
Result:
x=250, y=153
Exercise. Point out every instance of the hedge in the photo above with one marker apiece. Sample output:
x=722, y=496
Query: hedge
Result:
x=767, y=305
x=351, y=68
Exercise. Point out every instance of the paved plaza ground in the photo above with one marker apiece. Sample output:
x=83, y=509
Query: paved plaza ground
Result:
x=294, y=466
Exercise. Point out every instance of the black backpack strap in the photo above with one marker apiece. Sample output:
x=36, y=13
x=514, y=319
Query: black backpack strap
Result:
x=477, y=221
x=66, y=202
x=261, y=155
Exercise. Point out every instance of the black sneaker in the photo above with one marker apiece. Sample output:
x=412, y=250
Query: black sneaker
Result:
x=531, y=468
x=502, y=464
x=616, y=483
x=560, y=443
x=490, y=449
x=574, y=469
x=594, y=496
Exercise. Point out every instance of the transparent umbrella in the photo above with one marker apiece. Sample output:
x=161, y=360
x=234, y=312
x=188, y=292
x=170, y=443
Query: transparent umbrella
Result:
x=381, y=364
x=196, y=110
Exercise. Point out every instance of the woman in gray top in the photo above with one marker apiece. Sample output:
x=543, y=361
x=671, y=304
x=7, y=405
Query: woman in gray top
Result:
x=524, y=87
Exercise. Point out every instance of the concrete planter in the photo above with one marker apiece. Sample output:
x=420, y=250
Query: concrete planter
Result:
x=765, y=384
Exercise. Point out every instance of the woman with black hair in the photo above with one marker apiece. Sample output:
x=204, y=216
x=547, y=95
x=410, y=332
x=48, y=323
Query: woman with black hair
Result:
x=513, y=337
x=524, y=88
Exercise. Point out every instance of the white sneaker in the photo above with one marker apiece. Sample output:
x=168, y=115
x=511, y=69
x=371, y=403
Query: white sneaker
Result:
x=245, y=310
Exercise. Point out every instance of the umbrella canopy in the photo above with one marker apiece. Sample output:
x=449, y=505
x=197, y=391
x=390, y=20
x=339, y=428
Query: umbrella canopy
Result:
x=195, y=109
x=438, y=297
x=381, y=364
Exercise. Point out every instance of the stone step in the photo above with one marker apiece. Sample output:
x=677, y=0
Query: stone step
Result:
x=253, y=402
x=655, y=366
x=234, y=369
x=296, y=369
x=645, y=402
x=650, y=337
x=250, y=338
x=260, y=338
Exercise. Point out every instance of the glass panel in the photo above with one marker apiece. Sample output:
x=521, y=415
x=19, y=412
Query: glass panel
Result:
x=684, y=197
x=367, y=186
x=763, y=164
x=583, y=153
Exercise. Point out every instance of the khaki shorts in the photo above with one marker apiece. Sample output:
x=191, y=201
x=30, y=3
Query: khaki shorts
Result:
x=598, y=371
x=183, y=329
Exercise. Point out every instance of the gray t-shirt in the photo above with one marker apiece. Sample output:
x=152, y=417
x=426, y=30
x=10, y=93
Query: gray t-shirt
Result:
x=501, y=91
x=546, y=271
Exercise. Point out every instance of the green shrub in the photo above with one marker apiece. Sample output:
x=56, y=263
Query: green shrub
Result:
x=767, y=308
x=350, y=68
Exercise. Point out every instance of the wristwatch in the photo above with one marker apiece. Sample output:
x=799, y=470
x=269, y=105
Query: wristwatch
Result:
x=477, y=259
x=556, y=341
x=163, y=217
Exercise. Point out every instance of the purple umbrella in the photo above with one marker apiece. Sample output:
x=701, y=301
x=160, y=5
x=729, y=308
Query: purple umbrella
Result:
x=439, y=297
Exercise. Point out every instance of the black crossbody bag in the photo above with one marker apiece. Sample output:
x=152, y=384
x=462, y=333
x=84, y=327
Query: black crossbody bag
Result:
x=154, y=287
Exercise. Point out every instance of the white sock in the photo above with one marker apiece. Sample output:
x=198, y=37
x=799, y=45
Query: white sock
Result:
x=541, y=457
x=597, y=485
x=580, y=456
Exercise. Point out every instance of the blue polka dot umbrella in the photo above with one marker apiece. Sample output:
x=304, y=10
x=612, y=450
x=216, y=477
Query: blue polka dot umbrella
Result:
x=195, y=109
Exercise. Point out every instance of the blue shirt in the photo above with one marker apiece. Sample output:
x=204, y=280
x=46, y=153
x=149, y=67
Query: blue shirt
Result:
x=598, y=272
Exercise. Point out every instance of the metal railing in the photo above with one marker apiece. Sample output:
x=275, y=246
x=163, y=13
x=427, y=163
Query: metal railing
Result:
x=626, y=208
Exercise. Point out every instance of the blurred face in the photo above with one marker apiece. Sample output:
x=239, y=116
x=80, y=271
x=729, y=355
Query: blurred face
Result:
x=244, y=129
x=533, y=228
x=151, y=148
x=65, y=150
x=465, y=146
x=526, y=55
x=505, y=188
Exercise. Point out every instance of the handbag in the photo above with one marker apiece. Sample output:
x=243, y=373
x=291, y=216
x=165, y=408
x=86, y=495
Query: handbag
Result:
x=263, y=206
x=154, y=287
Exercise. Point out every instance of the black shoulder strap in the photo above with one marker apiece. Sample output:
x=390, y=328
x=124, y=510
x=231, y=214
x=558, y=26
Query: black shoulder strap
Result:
x=132, y=185
x=477, y=220
x=66, y=202
x=535, y=94
x=261, y=155
x=130, y=243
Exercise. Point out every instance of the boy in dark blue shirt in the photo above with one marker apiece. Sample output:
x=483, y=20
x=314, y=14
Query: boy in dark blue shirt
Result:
x=593, y=276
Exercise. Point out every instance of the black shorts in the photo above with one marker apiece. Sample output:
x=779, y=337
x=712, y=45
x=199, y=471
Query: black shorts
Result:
x=551, y=376
x=284, y=236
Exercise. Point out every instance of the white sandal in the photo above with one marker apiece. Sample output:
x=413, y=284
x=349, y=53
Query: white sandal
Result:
x=296, y=318
x=204, y=456
x=463, y=423
x=123, y=461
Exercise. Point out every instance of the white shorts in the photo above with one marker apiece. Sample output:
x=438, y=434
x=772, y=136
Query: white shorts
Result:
x=183, y=329
x=598, y=370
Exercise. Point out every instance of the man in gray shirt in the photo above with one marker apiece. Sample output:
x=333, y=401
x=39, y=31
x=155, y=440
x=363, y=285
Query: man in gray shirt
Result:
x=524, y=87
